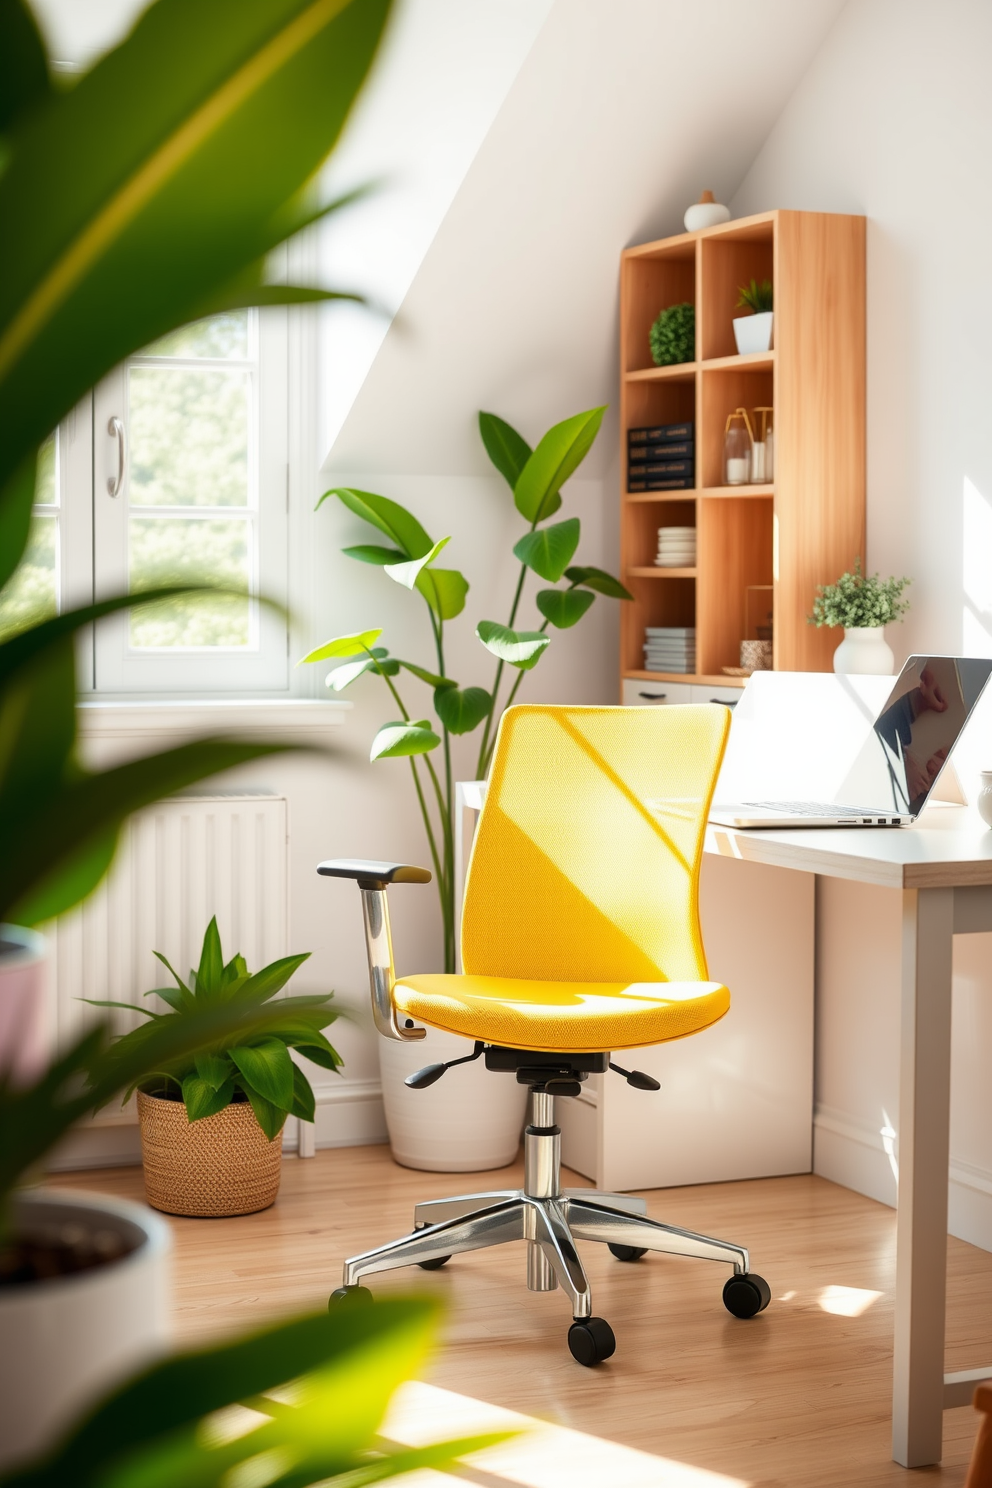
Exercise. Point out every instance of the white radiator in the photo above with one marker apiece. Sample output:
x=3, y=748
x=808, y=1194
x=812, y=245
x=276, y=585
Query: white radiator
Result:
x=178, y=863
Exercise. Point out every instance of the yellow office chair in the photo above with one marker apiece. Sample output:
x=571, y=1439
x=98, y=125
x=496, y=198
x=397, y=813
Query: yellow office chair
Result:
x=580, y=934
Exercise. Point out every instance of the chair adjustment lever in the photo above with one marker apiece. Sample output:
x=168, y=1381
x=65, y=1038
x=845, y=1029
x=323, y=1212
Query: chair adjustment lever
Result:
x=636, y=1078
x=432, y=1072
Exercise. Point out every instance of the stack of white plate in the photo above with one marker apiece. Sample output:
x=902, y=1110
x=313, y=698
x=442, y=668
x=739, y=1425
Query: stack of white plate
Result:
x=676, y=547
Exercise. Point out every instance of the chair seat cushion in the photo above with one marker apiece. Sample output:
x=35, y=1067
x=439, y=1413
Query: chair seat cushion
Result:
x=581, y=1017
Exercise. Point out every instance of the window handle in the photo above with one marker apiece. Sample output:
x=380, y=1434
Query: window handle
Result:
x=115, y=427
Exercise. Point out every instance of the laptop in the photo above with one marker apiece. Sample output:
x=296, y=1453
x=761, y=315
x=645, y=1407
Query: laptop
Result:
x=901, y=758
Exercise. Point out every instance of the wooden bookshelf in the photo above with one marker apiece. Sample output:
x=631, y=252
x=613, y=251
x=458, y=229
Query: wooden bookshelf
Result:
x=807, y=526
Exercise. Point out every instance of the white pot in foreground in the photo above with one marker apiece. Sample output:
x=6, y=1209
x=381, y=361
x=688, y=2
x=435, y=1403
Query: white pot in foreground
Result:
x=468, y=1122
x=753, y=332
x=23, y=1046
x=864, y=651
x=67, y=1340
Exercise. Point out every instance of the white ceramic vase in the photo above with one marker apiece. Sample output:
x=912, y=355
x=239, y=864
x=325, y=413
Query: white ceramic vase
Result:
x=67, y=1340
x=753, y=332
x=985, y=798
x=468, y=1122
x=22, y=1002
x=864, y=651
x=705, y=213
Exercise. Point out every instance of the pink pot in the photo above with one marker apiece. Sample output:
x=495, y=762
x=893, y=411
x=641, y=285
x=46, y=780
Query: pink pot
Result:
x=23, y=1011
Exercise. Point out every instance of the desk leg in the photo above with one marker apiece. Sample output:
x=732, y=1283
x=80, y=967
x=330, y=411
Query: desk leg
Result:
x=921, y=1220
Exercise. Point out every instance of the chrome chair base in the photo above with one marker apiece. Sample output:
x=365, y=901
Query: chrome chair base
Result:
x=549, y=1219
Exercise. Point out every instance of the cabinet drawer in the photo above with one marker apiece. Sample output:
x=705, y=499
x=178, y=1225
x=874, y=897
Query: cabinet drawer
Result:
x=638, y=694
x=728, y=695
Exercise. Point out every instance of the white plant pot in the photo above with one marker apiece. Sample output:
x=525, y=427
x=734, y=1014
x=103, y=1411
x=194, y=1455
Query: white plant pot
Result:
x=468, y=1122
x=753, y=332
x=864, y=651
x=68, y=1340
x=23, y=1042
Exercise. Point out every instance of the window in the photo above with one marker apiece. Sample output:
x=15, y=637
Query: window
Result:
x=189, y=485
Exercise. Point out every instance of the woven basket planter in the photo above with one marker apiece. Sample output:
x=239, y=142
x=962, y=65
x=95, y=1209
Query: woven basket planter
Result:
x=212, y=1168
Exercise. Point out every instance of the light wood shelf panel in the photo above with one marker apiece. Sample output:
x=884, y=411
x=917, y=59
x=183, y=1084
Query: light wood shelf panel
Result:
x=703, y=679
x=814, y=377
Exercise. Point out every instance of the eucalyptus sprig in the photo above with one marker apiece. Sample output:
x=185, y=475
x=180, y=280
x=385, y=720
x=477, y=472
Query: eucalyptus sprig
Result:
x=859, y=601
x=535, y=478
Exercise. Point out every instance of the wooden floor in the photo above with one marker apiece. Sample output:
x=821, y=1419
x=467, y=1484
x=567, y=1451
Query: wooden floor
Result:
x=797, y=1398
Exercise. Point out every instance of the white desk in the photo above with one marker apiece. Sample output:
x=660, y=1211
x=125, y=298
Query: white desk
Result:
x=943, y=869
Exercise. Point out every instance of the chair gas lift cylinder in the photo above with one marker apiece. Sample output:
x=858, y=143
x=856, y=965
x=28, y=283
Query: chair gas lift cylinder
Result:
x=580, y=937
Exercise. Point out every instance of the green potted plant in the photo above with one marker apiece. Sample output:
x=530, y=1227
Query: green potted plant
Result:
x=753, y=332
x=211, y=1123
x=672, y=337
x=863, y=604
x=223, y=128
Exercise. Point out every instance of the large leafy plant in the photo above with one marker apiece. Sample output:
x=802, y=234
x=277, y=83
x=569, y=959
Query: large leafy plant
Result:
x=288, y=1407
x=145, y=196
x=257, y=1067
x=535, y=478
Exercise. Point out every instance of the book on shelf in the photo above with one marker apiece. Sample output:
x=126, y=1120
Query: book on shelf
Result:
x=682, y=449
x=666, y=468
x=660, y=433
x=662, y=483
x=688, y=632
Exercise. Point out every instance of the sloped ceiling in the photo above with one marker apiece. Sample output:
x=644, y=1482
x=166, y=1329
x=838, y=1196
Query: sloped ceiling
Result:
x=619, y=115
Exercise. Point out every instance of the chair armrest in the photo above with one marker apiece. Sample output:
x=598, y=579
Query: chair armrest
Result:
x=371, y=874
x=373, y=878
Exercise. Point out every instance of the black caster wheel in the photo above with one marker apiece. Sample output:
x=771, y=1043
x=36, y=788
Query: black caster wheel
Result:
x=349, y=1296
x=434, y=1265
x=627, y=1252
x=591, y=1340
x=745, y=1296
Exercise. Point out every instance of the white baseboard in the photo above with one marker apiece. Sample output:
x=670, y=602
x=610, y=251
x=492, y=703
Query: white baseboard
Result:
x=850, y=1151
x=349, y=1114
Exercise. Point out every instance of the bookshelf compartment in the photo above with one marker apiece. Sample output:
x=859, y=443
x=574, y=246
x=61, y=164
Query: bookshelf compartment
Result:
x=650, y=284
x=643, y=522
x=737, y=537
x=729, y=260
x=657, y=601
x=724, y=391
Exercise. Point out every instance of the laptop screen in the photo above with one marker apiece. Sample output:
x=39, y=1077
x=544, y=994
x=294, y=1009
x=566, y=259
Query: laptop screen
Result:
x=913, y=735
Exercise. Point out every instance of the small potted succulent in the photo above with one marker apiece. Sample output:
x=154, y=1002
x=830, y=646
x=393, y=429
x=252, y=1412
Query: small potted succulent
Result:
x=863, y=604
x=673, y=336
x=753, y=332
x=211, y=1122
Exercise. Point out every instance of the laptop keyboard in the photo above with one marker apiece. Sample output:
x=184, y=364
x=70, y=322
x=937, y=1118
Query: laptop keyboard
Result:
x=816, y=808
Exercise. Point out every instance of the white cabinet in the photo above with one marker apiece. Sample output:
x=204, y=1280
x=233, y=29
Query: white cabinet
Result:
x=640, y=694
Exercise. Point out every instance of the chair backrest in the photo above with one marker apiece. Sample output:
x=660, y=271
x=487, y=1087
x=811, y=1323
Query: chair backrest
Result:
x=586, y=861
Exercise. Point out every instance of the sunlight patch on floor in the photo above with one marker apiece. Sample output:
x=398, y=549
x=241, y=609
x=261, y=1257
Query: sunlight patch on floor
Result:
x=547, y=1456
x=847, y=1301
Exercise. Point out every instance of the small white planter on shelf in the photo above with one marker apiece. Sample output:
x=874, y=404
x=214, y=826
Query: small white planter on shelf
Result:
x=753, y=332
x=864, y=651
x=469, y=1122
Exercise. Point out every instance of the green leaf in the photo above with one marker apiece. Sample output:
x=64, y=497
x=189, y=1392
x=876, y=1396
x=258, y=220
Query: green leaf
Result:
x=270, y=1117
x=304, y=1105
x=272, y=978
x=444, y=590
x=396, y=740
x=202, y=1099
x=268, y=1069
x=165, y=170
x=598, y=579
x=520, y=648
x=564, y=607
x=462, y=709
x=322, y=1053
x=212, y=1069
x=431, y=678
x=550, y=550
x=394, y=520
x=346, y=645
x=343, y=676
x=409, y=572
x=369, y=553
x=558, y=456
x=16, y=501
x=210, y=971
x=507, y=449
x=23, y=65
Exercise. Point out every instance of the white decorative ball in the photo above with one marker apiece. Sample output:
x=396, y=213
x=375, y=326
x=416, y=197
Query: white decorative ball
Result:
x=705, y=213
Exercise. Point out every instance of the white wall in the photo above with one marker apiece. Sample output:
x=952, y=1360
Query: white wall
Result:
x=894, y=119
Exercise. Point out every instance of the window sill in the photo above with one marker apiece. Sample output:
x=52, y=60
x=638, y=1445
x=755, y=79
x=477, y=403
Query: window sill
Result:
x=194, y=718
